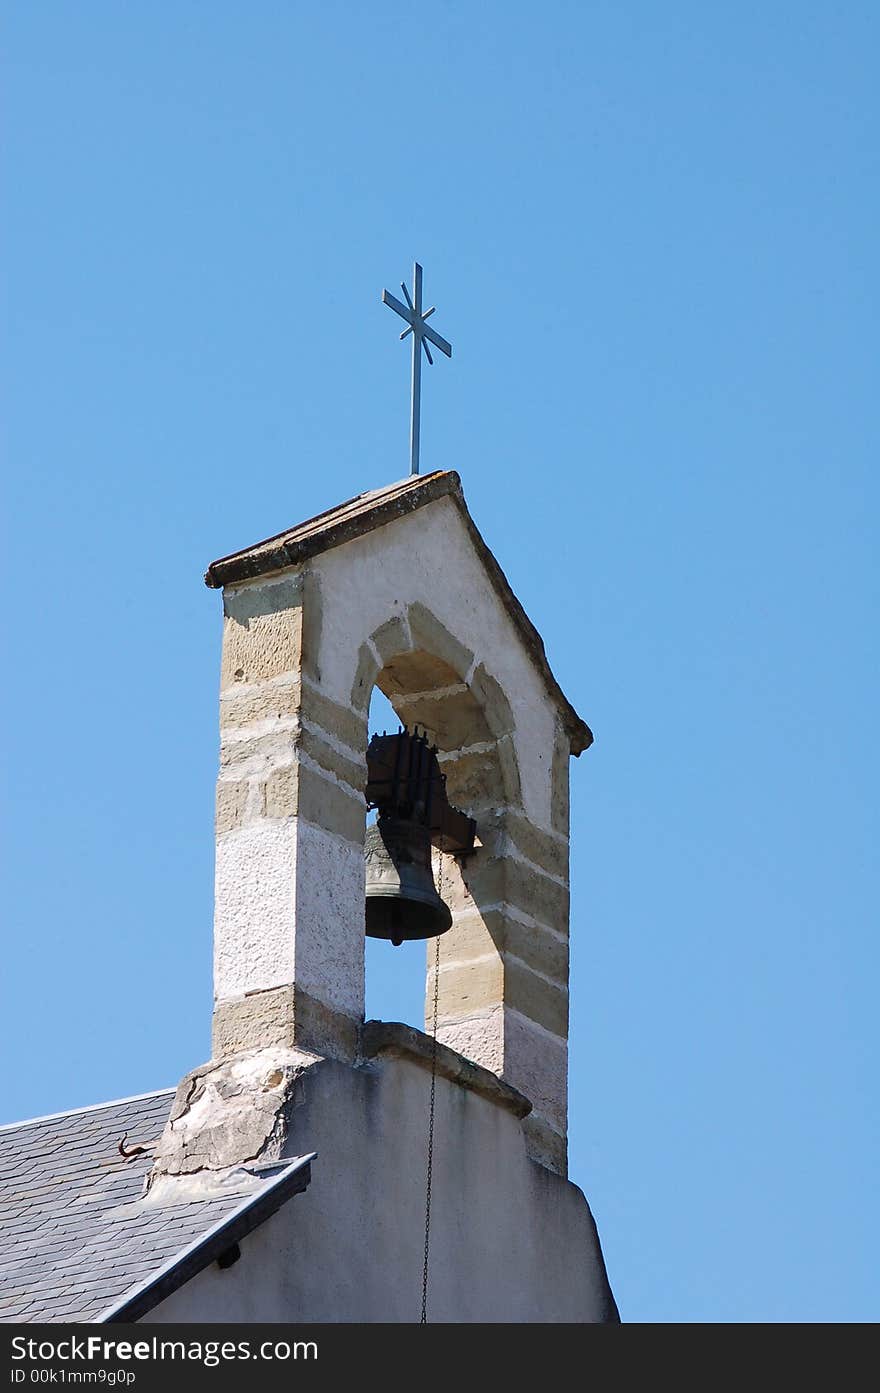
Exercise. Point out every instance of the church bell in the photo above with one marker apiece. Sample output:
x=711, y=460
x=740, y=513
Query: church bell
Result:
x=405, y=784
x=402, y=902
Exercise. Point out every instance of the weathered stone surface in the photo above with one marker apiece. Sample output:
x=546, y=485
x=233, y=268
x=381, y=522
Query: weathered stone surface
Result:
x=364, y=678
x=253, y=1022
x=294, y=790
x=412, y=673
x=345, y=725
x=242, y=706
x=479, y=1037
x=390, y=639
x=351, y=772
x=475, y=987
x=312, y=621
x=433, y=637
x=285, y=699
x=541, y=898
x=509, y=770
x=232, y=798
x=538, y=949
x=537, y=1063
x=491, y=699
x=529, y=842
x=535, y=997
x=281, y=791
x=262, y=633
x=250, y=756
x=559, y=796
x=328, y=806
x=228, y=1113
x=319, y=1027
x=476, y=933
x=485, y=880
x=474, y=780
x=452, y=721
x=545, y=1145
x=392, y=1038
x=247, y=603
x=473, y=935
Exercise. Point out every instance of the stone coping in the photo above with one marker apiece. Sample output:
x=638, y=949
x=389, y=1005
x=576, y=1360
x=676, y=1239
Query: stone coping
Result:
x=394, y=1039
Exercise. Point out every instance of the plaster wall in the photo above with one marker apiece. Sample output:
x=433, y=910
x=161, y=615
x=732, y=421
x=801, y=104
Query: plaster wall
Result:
x=510, y=1240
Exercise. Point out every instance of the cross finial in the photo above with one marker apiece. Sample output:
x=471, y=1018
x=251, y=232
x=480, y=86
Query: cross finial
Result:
x=422, y=334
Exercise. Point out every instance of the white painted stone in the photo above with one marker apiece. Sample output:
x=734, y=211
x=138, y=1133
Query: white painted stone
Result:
x=330, y=919
x=536, y=1063
x=480, y=1037
x=254, y=899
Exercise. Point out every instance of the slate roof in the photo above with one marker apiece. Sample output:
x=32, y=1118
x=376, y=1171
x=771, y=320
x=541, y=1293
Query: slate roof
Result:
x=363, y=514
x=77, y=1242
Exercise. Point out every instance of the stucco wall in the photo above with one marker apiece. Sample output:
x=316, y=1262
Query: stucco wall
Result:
x=510, y=1240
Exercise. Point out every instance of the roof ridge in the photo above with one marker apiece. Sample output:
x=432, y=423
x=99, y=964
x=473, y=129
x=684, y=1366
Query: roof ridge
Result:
x=90, y=1107
x=400, y=486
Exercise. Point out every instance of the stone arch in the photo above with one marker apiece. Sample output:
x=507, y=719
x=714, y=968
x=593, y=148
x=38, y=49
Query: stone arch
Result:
x=433, y=681
x=297, y=675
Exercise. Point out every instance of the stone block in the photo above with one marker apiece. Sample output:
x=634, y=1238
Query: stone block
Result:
x=350, y=772
x=474, y=780
x=537, y=1064
x=536, y=998
x=259, y=641
x=480, y=1038
x=491, y=699
x=321, y=1028
x=243, y=706
x=530, y=842
x=366, y=672
x=541, y=898
x=545, y=1145
x=253, y=1022
x=432, y=637
x=294, y=790
x=473, y=935
x=453, y=721
x=471, y=988
x=232, y=798
x=509, y=770
x=559, y=787
x=345, y=725
x=538, y=949
x=254, y=756
x=326, y=805
x=415, y=673
x=280, y=791
x=390, y=639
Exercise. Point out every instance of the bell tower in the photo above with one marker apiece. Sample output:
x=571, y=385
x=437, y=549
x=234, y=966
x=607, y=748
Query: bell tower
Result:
x=459, y=1136
x=395, y=588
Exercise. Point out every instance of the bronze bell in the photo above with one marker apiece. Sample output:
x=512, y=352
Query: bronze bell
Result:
x=405, y=784
x=402, y=902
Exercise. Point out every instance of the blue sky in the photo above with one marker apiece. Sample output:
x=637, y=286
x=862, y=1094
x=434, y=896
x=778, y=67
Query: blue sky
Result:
x=651, y=235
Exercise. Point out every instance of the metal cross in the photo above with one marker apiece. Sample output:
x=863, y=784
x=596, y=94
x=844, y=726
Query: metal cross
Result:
x=422, y=334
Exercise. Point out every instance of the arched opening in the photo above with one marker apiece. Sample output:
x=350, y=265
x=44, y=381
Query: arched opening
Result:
x=468, y=718
x=395, y=976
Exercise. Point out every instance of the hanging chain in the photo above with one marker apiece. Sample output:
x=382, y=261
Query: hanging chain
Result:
x=424, y=1319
